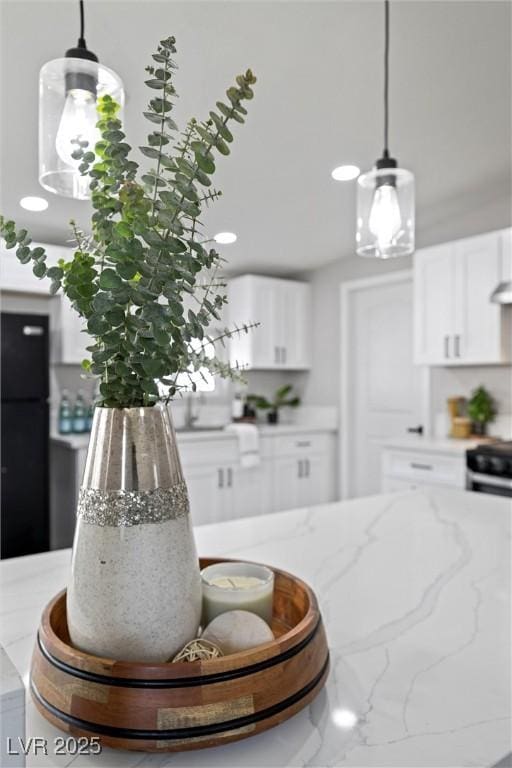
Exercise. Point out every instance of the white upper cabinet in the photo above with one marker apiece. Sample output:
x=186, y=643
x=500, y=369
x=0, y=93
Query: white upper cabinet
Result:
x=73, y=338
x=455, y=321
x=68, y=339
x=478, y=321
x=283, y=308
x=434, y=290
x=15, y=276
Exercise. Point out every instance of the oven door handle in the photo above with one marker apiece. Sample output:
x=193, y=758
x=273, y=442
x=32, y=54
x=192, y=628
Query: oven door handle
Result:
x=500, y=482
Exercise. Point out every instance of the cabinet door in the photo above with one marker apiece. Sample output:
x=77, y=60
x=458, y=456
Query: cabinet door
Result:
x=506, y=254
x=74, y=340
x=252, y=490
x=286, y=485
x=252, y=300
x=316, y=484
x=294, y=306
x=477, y=331
x=206, y=492
x=434, y=313
x=264, y=338
x=283, y=310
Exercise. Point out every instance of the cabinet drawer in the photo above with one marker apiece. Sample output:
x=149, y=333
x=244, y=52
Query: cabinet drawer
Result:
x=215, y=452
x=393, y=485
x=425, y=468
x=301, y=444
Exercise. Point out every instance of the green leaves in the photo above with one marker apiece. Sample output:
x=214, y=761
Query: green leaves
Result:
x=205, y=163
x=55, y=273
x=109, y=280
x=96, y=325
x=222, y=127
x=39, y=269
x=102, y=302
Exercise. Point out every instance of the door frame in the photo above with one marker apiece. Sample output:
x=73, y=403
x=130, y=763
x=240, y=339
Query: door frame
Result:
x=347, y=290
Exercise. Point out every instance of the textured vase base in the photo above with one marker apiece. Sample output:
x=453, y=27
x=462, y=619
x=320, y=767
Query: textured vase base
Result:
x=135, y=592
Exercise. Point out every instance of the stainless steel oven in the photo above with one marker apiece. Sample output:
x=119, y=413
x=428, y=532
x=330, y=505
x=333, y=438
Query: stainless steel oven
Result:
x=489, y=468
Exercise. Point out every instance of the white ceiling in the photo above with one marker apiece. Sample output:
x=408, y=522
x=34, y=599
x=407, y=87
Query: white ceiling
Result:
x=318, y=104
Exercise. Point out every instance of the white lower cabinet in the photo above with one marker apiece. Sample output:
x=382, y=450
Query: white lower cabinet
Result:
x=252, y=490
x=403, y=469
x=207, y=503
x=294, y=471
x=303, y=470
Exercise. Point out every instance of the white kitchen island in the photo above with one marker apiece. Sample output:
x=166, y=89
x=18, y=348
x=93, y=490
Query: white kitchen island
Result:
x=415, y=594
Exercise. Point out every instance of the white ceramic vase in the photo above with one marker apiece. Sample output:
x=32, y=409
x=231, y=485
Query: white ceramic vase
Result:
x=135, y=591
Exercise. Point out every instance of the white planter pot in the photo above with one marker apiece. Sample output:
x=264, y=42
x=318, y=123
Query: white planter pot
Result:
x=135, y=591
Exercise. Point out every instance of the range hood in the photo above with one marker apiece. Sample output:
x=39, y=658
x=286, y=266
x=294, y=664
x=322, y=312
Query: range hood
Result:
x=503, y=293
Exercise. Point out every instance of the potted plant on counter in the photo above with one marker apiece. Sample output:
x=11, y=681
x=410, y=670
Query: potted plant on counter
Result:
x=135, y=587
x=282, y=399
x=481, y=410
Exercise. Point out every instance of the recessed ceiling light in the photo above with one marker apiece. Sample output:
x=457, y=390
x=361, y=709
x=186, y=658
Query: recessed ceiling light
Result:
x=345, y=172
x=225, y=238
x=34, y=203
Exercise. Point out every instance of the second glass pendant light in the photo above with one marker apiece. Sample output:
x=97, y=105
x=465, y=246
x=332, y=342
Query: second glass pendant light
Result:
x=385, y=196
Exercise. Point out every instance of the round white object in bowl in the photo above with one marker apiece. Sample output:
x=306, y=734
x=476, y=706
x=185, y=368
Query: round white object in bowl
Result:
x=235, y=631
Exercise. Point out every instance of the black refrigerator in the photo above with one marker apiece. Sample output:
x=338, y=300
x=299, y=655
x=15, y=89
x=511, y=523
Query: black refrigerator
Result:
x=25, y=434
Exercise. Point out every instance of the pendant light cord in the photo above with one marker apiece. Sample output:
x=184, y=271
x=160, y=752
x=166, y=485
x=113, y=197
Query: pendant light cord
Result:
x=81, y=39
x=386, y=78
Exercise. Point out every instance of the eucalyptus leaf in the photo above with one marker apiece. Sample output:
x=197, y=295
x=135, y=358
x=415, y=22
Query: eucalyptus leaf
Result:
x=39, y=269
x=109, y=279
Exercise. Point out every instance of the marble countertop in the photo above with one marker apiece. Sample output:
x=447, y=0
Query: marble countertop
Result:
x=415, y=593
x=78, y=442
x=445, y=445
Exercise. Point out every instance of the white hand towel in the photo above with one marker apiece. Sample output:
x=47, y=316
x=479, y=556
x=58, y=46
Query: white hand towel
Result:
x=248, y=443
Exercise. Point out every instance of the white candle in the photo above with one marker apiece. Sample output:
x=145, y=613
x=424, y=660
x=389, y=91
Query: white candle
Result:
x=237, y=586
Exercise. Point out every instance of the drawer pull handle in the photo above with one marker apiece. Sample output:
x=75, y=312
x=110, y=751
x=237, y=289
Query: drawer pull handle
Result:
x=417, y=465
x=303, y=443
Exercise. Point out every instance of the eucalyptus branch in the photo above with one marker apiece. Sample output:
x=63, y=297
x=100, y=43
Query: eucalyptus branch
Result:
x=130, y=280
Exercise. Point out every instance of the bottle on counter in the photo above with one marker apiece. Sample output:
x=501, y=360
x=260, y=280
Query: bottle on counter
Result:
x=237, y=406
x=90, y=416
x=65, y=414
x=80, y=414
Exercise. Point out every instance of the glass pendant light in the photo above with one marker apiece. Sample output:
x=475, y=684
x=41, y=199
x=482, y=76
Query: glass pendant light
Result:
x=68, y=89
x=385, y=195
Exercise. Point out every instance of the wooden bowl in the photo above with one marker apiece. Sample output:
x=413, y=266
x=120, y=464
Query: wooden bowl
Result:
x=186, y=705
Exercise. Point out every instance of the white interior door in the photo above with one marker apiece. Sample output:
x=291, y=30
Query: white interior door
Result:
x=383, y=387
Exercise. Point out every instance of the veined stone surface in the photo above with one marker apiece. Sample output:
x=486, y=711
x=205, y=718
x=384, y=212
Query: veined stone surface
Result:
x=415, y=594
